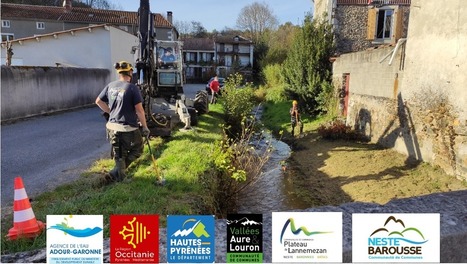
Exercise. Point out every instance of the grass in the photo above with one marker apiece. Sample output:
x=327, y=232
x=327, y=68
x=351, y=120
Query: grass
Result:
x=181, y=161
x=277, y=118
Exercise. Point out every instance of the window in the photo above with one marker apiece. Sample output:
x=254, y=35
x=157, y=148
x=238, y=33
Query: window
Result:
x=7, y=37
x=40, y=25
x=6, y=23
x=384, y=25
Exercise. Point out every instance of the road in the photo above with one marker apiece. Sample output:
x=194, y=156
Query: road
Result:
x=52, y=150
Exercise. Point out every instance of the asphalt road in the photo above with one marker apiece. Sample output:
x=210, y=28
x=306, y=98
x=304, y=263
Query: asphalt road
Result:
x=49, y=151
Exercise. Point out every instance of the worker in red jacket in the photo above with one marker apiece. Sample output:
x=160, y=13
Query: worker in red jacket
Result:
x=214, y=85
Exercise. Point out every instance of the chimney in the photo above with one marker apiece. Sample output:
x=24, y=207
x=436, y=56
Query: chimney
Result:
x=67, y=5
x=169, y=17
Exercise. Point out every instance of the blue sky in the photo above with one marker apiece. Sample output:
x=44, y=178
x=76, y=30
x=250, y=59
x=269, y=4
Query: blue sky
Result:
x=218, y=14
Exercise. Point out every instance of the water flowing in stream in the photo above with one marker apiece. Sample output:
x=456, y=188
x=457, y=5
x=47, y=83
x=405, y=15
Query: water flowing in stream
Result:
x=272, y=191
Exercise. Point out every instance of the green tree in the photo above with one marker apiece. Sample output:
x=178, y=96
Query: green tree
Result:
x=307, y=70
x=280, y=42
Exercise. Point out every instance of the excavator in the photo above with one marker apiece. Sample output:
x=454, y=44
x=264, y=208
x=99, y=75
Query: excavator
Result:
x=159, y=75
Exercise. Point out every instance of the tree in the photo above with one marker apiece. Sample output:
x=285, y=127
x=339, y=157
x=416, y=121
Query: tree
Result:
x=183, y=27
x=307, y=70
x=100, y=4
x=255, y=19
x=280, y=43
x=199, y=31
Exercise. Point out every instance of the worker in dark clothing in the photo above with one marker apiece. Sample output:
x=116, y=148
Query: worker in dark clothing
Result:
x=122, y=100
x=295, y=118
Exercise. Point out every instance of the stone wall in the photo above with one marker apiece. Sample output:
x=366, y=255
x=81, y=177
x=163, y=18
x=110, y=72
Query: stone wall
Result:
x=351, y=28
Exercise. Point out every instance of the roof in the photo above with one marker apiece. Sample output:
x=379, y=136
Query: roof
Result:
x=70, y=31
x=233, y=39
x=198, y=44
x=75, y=14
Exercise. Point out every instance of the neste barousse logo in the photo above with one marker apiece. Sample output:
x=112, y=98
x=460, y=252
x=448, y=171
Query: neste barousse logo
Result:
x=134, y=238
x=244, y=238
x=190, y=238
x=395, y=237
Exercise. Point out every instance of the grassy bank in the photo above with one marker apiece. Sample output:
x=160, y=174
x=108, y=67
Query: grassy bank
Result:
x=182, y=160
x=277, y=118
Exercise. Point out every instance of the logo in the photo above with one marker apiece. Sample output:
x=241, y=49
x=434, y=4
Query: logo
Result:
x=306, y=237
x=134, y=238
x=83, y=235
x=190, y=238
x=244, y=238
x=391, y=237
x=297, y=231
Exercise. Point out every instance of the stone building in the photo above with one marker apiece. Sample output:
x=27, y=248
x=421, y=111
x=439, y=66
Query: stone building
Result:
x=401, y=78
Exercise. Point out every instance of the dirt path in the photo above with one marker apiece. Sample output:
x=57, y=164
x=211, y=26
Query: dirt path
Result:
x=322, y=172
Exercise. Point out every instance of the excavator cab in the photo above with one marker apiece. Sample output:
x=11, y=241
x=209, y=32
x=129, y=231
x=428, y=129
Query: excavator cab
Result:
x=159, y=76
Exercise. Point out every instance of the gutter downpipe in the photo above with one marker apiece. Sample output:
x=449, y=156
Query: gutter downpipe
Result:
x=399, y=43
x=393, y=52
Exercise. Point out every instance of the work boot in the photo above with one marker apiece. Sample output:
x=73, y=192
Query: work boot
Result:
x=120, y=167
x=114, y=174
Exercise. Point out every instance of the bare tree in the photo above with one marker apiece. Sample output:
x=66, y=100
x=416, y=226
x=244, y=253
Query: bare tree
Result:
x=101, y=4
x=255, y=19
x=184, y=28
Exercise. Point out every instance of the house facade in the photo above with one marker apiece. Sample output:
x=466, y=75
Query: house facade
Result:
x=404, y=87
x=73, y=36
x=72, y=48
x=234, y=54
x=199, y=59
x=21, y=21
x=205, y=57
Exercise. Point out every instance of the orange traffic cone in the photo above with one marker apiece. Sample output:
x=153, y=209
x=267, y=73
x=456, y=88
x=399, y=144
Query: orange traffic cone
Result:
x=25, y=223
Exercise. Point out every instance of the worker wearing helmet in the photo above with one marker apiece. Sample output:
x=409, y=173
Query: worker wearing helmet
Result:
x=295, y=118
x=122, y=100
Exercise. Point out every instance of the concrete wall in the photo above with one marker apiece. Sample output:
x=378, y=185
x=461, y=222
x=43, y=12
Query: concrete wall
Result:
x=91, y=47
x=435, y=81
x=373, y=94
x=30, y=91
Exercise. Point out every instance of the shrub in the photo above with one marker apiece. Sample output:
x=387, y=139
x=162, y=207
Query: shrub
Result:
x=337, y=129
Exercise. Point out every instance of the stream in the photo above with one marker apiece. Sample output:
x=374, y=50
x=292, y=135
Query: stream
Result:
x=273, y=191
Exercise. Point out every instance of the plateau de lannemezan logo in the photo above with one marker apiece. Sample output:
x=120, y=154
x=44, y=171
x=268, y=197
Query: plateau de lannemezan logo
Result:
x=307, y=237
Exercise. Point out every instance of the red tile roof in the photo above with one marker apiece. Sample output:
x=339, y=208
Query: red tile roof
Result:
x=76, y=14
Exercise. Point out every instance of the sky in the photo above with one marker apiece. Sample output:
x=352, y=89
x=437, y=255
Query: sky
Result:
x=218, y=14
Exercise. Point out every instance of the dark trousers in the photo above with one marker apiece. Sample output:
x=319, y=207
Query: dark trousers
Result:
x=294, y=124
x=126, y=148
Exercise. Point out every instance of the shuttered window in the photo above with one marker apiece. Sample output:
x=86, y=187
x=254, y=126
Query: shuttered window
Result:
x=371, y=24
x=384, y=25
x=398, y=30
